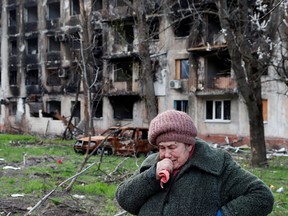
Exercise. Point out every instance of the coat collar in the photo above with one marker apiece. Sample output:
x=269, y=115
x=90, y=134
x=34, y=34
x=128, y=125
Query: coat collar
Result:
x=205, y=158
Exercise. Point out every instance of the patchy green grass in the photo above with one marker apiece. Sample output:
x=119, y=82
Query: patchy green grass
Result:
x=40, y=172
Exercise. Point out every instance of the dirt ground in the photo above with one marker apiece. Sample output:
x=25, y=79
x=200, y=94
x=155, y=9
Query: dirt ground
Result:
x=64, y=204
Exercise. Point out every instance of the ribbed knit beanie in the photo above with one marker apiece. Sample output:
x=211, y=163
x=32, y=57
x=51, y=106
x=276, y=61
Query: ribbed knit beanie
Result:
x=172, y=125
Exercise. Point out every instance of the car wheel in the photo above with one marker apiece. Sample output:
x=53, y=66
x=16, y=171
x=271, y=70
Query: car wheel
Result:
x=99, y=151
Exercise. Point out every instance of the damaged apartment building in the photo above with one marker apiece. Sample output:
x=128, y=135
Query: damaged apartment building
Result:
x=42, y=45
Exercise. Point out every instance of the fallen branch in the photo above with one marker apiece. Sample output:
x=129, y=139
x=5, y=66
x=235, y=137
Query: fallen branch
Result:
x=62, y=183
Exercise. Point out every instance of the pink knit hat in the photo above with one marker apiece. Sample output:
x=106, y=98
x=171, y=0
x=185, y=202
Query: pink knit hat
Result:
x=172, y=125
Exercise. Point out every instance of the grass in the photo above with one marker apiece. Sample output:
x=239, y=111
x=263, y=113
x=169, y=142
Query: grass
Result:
x=43, y=173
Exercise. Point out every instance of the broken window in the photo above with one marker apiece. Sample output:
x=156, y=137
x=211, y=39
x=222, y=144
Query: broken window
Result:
x=12, y=18
x=13, y=47
x=53, y=78
x=154, y=28
x=123, y=71
x=217, y=64
x=97, y=5
x=31, y=15
x=97, y=108
x=181, y=105
x=31, y=77
x=122, y=107
x=13, y=77
x=32, y=46
x=265, y=109
x=183, y=26
x=53, y=45
x=124, y=33
x=182, y=69
x=76, y=109
x=54, y=10
x=12, y=108
x=218, y=110
x=53, y=107
x=74, y=7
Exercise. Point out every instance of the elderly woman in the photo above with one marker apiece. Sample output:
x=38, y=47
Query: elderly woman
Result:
x=187, y=177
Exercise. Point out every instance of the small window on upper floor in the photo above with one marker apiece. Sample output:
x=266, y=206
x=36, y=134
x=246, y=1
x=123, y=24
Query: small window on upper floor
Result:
x=74, y=7
x=97, y=109
x=12, y=19
x=12, y=77
x=32, y=77
x=181, y=105
x=31, y=15
x=54, y=10
x=32, y=46
x=182, y=69
x=13, y=47
x=123, y=71
x=218, y=110
x=265, y=110
x=53, y=45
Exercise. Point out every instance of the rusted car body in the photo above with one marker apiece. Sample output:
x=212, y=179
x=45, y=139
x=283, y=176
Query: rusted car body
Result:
x=126, y=141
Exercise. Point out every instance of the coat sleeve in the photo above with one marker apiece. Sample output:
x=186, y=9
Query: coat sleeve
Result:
x=136, y=190
x=243, y=193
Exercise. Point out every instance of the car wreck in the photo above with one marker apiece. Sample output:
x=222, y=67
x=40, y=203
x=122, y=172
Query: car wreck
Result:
x=124, y=141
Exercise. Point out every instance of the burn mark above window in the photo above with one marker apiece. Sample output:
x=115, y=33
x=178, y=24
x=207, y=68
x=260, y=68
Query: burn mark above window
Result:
x=123, y=106
x=54, y=10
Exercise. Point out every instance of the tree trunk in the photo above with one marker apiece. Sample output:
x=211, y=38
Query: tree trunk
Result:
x=86, y=70
x=247, y=69
x=146, y=67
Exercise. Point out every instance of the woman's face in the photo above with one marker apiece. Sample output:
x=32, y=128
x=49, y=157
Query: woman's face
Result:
x=177, y=152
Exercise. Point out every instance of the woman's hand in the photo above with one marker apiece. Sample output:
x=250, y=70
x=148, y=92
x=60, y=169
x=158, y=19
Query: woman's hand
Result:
x=165, y=164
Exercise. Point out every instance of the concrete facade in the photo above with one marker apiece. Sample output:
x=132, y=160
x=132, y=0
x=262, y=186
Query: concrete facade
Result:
x=39, y=73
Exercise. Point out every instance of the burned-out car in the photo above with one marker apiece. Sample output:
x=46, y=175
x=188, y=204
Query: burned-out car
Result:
x=126, y=141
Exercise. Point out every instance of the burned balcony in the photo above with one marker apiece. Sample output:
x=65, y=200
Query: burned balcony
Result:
x=214, y=72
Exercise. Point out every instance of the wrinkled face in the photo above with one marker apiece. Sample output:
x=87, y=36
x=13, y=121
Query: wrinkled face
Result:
x=177, y=152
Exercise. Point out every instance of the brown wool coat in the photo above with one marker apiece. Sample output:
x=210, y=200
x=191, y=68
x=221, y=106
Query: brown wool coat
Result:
x=209, y=181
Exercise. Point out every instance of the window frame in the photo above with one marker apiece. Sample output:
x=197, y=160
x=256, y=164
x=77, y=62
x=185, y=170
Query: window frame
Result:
x=183, y=105
x=179, y=65
x=213, y=109
x=265, y=110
